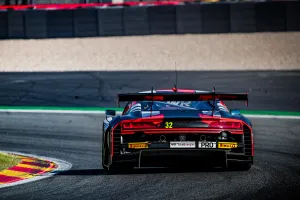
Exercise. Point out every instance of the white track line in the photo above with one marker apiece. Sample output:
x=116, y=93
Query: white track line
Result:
x=119, y=112
x=62, y=166
x=54, y=111
x=272, y=116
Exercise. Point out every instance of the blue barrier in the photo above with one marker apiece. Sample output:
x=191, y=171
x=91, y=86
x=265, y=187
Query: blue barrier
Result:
x=215, y=18
x=110, y=22
x=85, y=23
x=242, y=17
x=189, y=19
x=150, y=19
x=270, y=16
x=136, y=21
x=15, y=24
x=293, y=16
x=60, y=23
x=162, y=19
x=36, y=24
x=3, y=25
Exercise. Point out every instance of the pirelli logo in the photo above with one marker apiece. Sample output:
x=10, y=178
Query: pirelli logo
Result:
x=227, y=145
x=138, y=145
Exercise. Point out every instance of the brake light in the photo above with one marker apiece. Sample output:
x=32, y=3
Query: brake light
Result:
x=226, y=125
x=154, y=98
x=130, y=125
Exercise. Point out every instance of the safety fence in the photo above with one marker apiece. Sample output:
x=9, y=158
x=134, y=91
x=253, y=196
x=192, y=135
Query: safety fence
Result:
x=135, y=18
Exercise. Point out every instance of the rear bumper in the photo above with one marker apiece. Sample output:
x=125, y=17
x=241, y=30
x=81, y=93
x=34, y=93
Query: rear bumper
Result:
x=186, y=157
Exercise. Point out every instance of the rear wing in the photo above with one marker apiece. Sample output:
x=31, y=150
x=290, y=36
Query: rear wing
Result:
x=209, y=96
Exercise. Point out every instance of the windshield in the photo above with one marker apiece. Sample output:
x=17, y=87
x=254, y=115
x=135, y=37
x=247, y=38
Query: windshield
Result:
x=175, y=105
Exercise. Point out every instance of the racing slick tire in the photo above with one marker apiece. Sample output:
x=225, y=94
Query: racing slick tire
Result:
x=239, y=166
x=104, y=149
x=110, y=166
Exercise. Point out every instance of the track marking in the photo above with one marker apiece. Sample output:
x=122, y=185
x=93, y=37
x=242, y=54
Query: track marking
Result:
x=7, y=179
x=17, y=174
x=29, y=166
x=61, y=166
x=119, y=112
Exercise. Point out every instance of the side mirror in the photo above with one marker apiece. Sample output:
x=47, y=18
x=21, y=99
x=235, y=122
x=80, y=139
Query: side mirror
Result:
x=235, y=112
x=110, y=113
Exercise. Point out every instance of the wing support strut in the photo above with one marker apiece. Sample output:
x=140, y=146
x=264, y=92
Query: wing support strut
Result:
x=152, y=102
x=214, y=101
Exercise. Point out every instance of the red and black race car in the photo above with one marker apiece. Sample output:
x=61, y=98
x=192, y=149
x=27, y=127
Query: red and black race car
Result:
x=177, y=126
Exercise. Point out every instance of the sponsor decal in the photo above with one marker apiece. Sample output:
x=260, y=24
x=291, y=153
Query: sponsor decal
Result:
x=138, y=145
x=227, y=145
x=208, y=145
x=180, y=103
x=222, y=106
x=182, y=144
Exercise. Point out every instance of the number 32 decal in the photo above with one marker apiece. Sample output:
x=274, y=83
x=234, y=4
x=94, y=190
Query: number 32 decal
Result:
x=168, y=124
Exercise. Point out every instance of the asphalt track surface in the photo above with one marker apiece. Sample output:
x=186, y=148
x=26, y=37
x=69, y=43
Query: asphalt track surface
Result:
x=267, y=90
x=76, y=138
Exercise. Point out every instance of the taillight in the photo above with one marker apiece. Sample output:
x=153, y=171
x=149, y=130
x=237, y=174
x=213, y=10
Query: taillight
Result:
x=130, y=125
x=226, y=125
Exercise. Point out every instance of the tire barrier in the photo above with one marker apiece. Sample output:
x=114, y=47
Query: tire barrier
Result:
x=135, y=18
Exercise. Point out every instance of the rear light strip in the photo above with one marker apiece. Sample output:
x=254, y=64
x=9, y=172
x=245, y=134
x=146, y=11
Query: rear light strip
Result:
x=226, y=125
x=149, y=125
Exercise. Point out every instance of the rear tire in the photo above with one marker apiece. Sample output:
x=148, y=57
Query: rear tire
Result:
x=109, y=165
x=105, y=152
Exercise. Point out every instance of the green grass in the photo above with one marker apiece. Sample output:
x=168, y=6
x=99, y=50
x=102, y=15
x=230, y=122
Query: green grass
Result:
x=53, y=108
x=7, y=161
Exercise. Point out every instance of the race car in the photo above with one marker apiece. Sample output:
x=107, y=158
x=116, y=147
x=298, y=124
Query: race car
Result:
x=184, y=127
